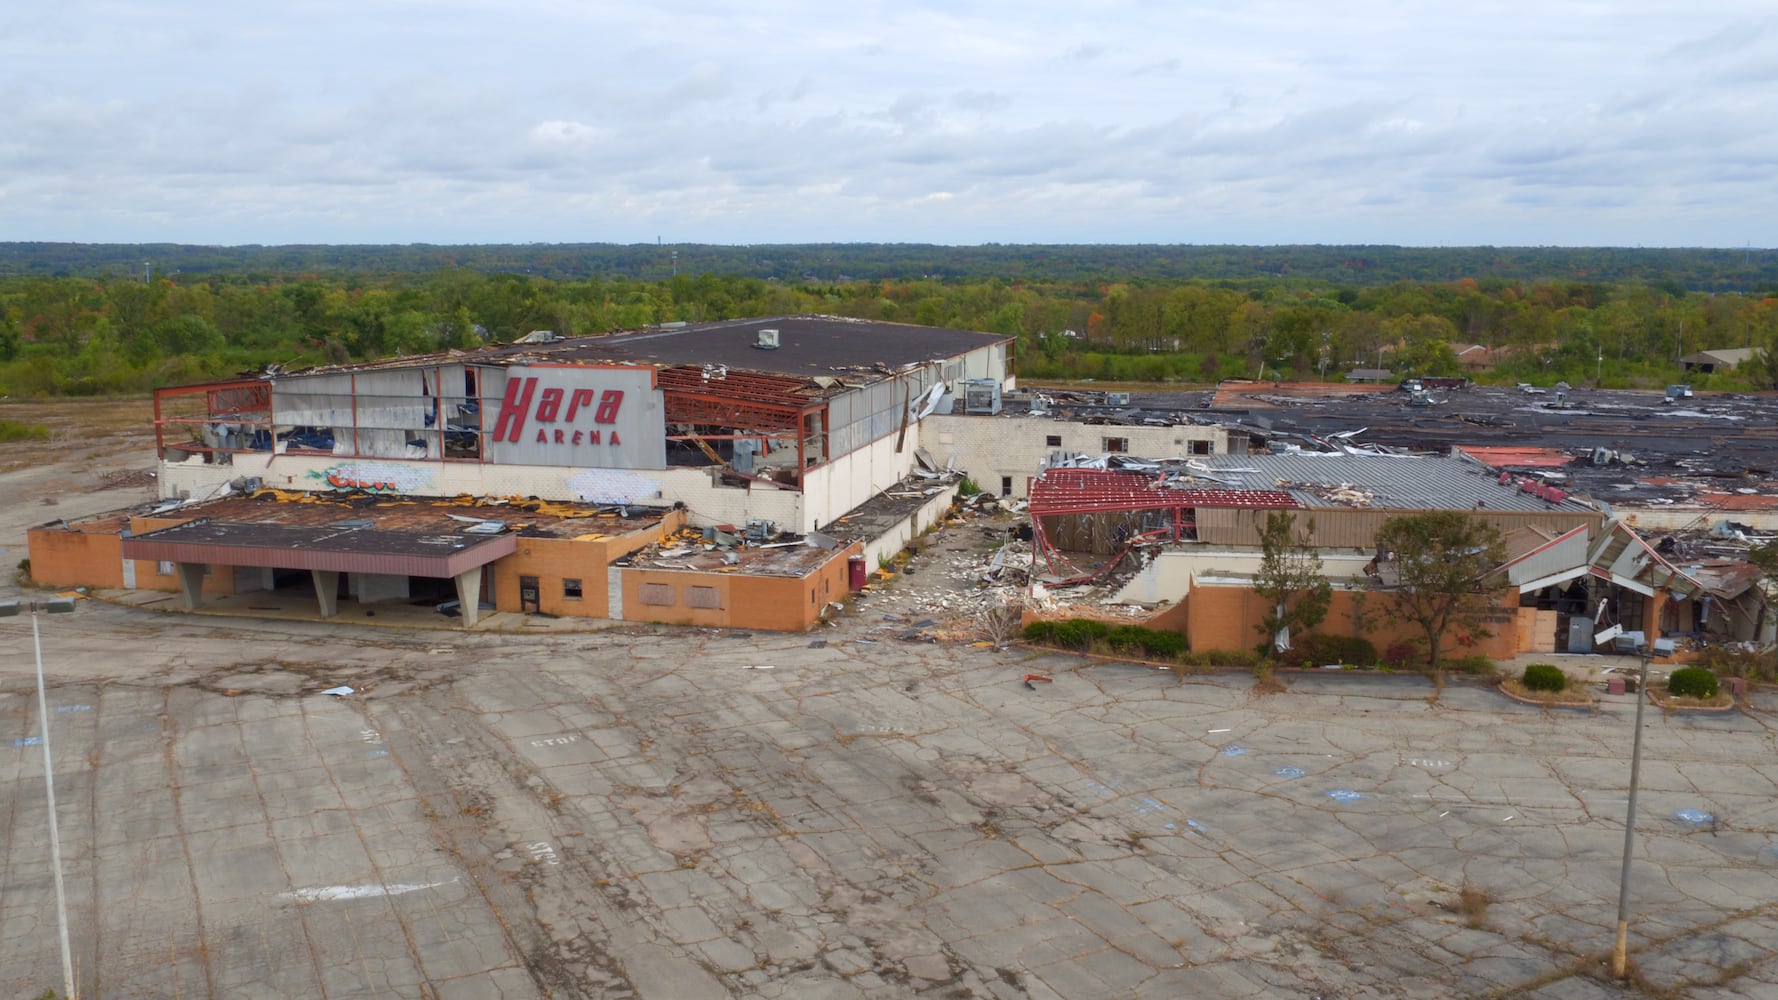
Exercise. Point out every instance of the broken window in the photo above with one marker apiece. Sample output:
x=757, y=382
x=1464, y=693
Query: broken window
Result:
x=1116, y=445
x=571, y=590
x=1053, y=441
x=1200, y=447
x=658, y=594
x=703, y=597
x=1006, y=486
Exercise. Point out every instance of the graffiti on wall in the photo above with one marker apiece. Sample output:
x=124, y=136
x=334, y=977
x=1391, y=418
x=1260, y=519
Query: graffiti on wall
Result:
x=374, y=477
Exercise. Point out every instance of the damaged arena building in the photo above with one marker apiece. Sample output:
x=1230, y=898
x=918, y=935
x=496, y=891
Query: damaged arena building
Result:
x=556, y=476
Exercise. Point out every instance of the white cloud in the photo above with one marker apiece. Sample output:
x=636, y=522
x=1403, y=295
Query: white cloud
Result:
x=1565, y=121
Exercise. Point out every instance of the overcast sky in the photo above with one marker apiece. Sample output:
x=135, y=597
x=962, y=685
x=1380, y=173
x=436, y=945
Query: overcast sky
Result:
x=1615, y=122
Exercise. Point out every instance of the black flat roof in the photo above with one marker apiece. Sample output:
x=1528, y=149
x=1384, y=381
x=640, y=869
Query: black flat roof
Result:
x=334, y=547
x=807, y=346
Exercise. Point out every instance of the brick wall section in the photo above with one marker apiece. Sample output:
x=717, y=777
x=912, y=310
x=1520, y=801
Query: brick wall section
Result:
x=555, y=560
x=1229, y=617
x=87, y=556
x=767, y=603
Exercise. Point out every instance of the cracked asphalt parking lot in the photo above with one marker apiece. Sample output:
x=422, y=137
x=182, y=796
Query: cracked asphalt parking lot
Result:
x=651, y=813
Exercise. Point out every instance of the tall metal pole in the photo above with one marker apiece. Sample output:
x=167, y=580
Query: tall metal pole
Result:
x=55, y=840
x=1620, y=952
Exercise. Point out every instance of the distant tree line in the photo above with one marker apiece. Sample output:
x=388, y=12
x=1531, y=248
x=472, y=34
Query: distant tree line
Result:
x=109, y=329
x=1676, y=270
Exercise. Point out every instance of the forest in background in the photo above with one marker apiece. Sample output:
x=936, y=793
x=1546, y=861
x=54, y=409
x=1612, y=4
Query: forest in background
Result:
x=90, y=319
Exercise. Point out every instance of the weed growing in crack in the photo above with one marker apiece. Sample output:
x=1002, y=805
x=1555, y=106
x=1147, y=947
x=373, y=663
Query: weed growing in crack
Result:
x=1472, y=903
x=1265, y=682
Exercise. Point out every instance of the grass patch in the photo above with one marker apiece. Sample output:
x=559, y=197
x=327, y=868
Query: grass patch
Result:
x=17, y=430
x=1576, y=697
x=1668, y=701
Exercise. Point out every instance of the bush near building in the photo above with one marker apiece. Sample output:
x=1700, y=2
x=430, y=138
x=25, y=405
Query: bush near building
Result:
x=1545, y=677
x=1326, y=650
x=1692, y=682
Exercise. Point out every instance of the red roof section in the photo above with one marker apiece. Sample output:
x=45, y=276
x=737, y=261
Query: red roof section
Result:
x=1088, y=491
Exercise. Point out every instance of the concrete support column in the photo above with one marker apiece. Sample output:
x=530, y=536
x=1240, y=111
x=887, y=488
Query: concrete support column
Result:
x=469, y=595
x=327, y=591
x=191, y=585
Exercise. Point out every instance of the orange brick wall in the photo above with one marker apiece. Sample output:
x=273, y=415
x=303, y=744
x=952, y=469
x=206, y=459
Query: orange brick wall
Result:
x=64, y=558
x=1229, y=617
x=768, y=603
x=553, y=560
x=678, y=613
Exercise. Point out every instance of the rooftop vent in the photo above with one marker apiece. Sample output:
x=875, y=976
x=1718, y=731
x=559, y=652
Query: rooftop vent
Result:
x=768, y=339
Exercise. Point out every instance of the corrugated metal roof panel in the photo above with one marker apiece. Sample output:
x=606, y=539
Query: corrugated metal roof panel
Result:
x=1395, y=482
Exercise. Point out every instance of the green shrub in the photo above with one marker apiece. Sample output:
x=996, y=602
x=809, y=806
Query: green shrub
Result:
x=1149, y=642
x=1317, y=650
x=966, y=487
x=1473, y=664
x=1162, y=644
x=1040, y=631
x=1080, y=633
x=1401, y=656
x=1692, y=682
x=1545, y=677
x=1126, y=637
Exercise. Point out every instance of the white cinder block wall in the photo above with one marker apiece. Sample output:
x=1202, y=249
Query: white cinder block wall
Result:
x=995, y=449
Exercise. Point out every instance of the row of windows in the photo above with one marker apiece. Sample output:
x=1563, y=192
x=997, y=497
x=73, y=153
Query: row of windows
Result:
x=1119, y=445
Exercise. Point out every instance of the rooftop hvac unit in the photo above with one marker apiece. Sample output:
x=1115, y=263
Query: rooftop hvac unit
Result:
x=981, y=395
x=768, y=339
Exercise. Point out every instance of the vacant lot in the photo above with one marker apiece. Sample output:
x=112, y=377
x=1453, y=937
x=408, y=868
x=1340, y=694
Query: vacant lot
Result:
x=657, y=814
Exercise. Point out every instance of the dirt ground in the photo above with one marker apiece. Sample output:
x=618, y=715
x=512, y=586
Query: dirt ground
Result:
x=865, y=811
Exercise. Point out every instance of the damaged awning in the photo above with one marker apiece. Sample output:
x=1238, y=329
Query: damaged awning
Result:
x=1619, y=556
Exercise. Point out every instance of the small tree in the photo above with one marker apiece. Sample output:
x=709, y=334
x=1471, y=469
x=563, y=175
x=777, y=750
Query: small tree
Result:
x=1440, y=558
x=1289, y=579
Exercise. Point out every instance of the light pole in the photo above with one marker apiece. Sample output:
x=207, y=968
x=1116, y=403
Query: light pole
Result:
x=1620, y=952
x=54, y=606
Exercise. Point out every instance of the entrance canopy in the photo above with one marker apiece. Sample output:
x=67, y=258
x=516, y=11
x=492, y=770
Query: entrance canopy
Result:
x=336, y=548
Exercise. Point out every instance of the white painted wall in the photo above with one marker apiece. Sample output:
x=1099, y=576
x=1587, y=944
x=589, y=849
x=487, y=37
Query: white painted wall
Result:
x=696, y=488
x=989, y=448
x=837, y=487
x=896, y=539
x=1168, y=576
